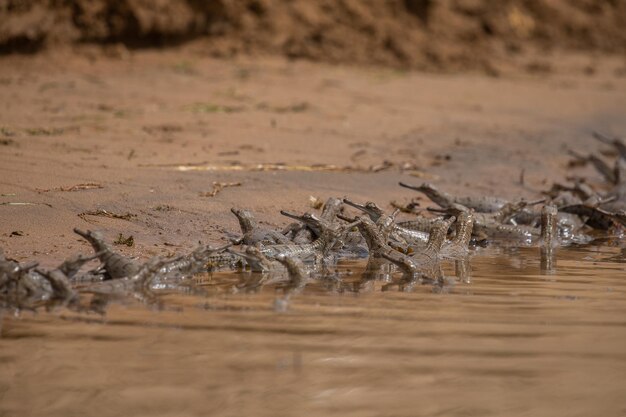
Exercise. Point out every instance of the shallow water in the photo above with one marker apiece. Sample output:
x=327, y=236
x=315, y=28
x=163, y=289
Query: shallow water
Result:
x=515, y=339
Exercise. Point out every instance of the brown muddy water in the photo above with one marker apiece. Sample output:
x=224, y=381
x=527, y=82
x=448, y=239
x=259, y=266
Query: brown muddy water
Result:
x=515, y=339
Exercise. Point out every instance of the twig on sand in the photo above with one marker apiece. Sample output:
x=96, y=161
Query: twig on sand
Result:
x=219, y=186
x=77, y=187
x=9, y=203
x=104, y=213
x=413, y=207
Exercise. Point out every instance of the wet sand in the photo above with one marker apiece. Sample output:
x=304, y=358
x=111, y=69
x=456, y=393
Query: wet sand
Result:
x=135, y=136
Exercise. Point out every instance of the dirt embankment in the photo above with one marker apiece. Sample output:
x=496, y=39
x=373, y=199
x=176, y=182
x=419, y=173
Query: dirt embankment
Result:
x=424, y=34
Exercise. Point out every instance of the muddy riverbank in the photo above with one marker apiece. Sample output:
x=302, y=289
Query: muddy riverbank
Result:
x=135, y=144
x=153, y=148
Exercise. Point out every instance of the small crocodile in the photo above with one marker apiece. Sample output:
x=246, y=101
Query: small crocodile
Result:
x=437, y=239
x=594, y=216
x=479, y=204
x=298, y=233
x=320, y=248
x=402, y=234
x=420, y=224
x=549, y=238
x=331, y=208
x=618, y=216
x=549, y=226
x=202, y=259
x=309, y=221
x=116, y=265
x=72, y=265
x=458, y=248
x=59, y=280
x=600, y=165
x=617, y=143
x=301, y=232
x=488, y=226
x=520, y=234
x=296, y=270
x=379, y=248
x=62, y=291
x=255, y=259
x=253, y=233
x=424, y=264
x=21, y=287
x=615, y=176
x=139, y=285
x=321, y=226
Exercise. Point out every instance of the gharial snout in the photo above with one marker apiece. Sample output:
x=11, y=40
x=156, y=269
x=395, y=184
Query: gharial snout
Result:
x=291, y=215
x=89, y=235
x=86, y=235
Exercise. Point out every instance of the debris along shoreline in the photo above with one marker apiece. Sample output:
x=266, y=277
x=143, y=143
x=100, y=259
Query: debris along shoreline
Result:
x=310, y=247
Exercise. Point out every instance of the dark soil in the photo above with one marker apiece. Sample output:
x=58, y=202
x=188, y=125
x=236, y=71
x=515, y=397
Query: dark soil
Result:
x=448, y=35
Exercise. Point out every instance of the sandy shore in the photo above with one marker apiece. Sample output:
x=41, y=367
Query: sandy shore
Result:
x=144, y=136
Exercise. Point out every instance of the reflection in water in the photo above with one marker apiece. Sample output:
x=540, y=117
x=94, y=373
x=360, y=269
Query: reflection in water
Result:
x=493, y=339
x=376, y=269
x=548, y=260
x=463, y=270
